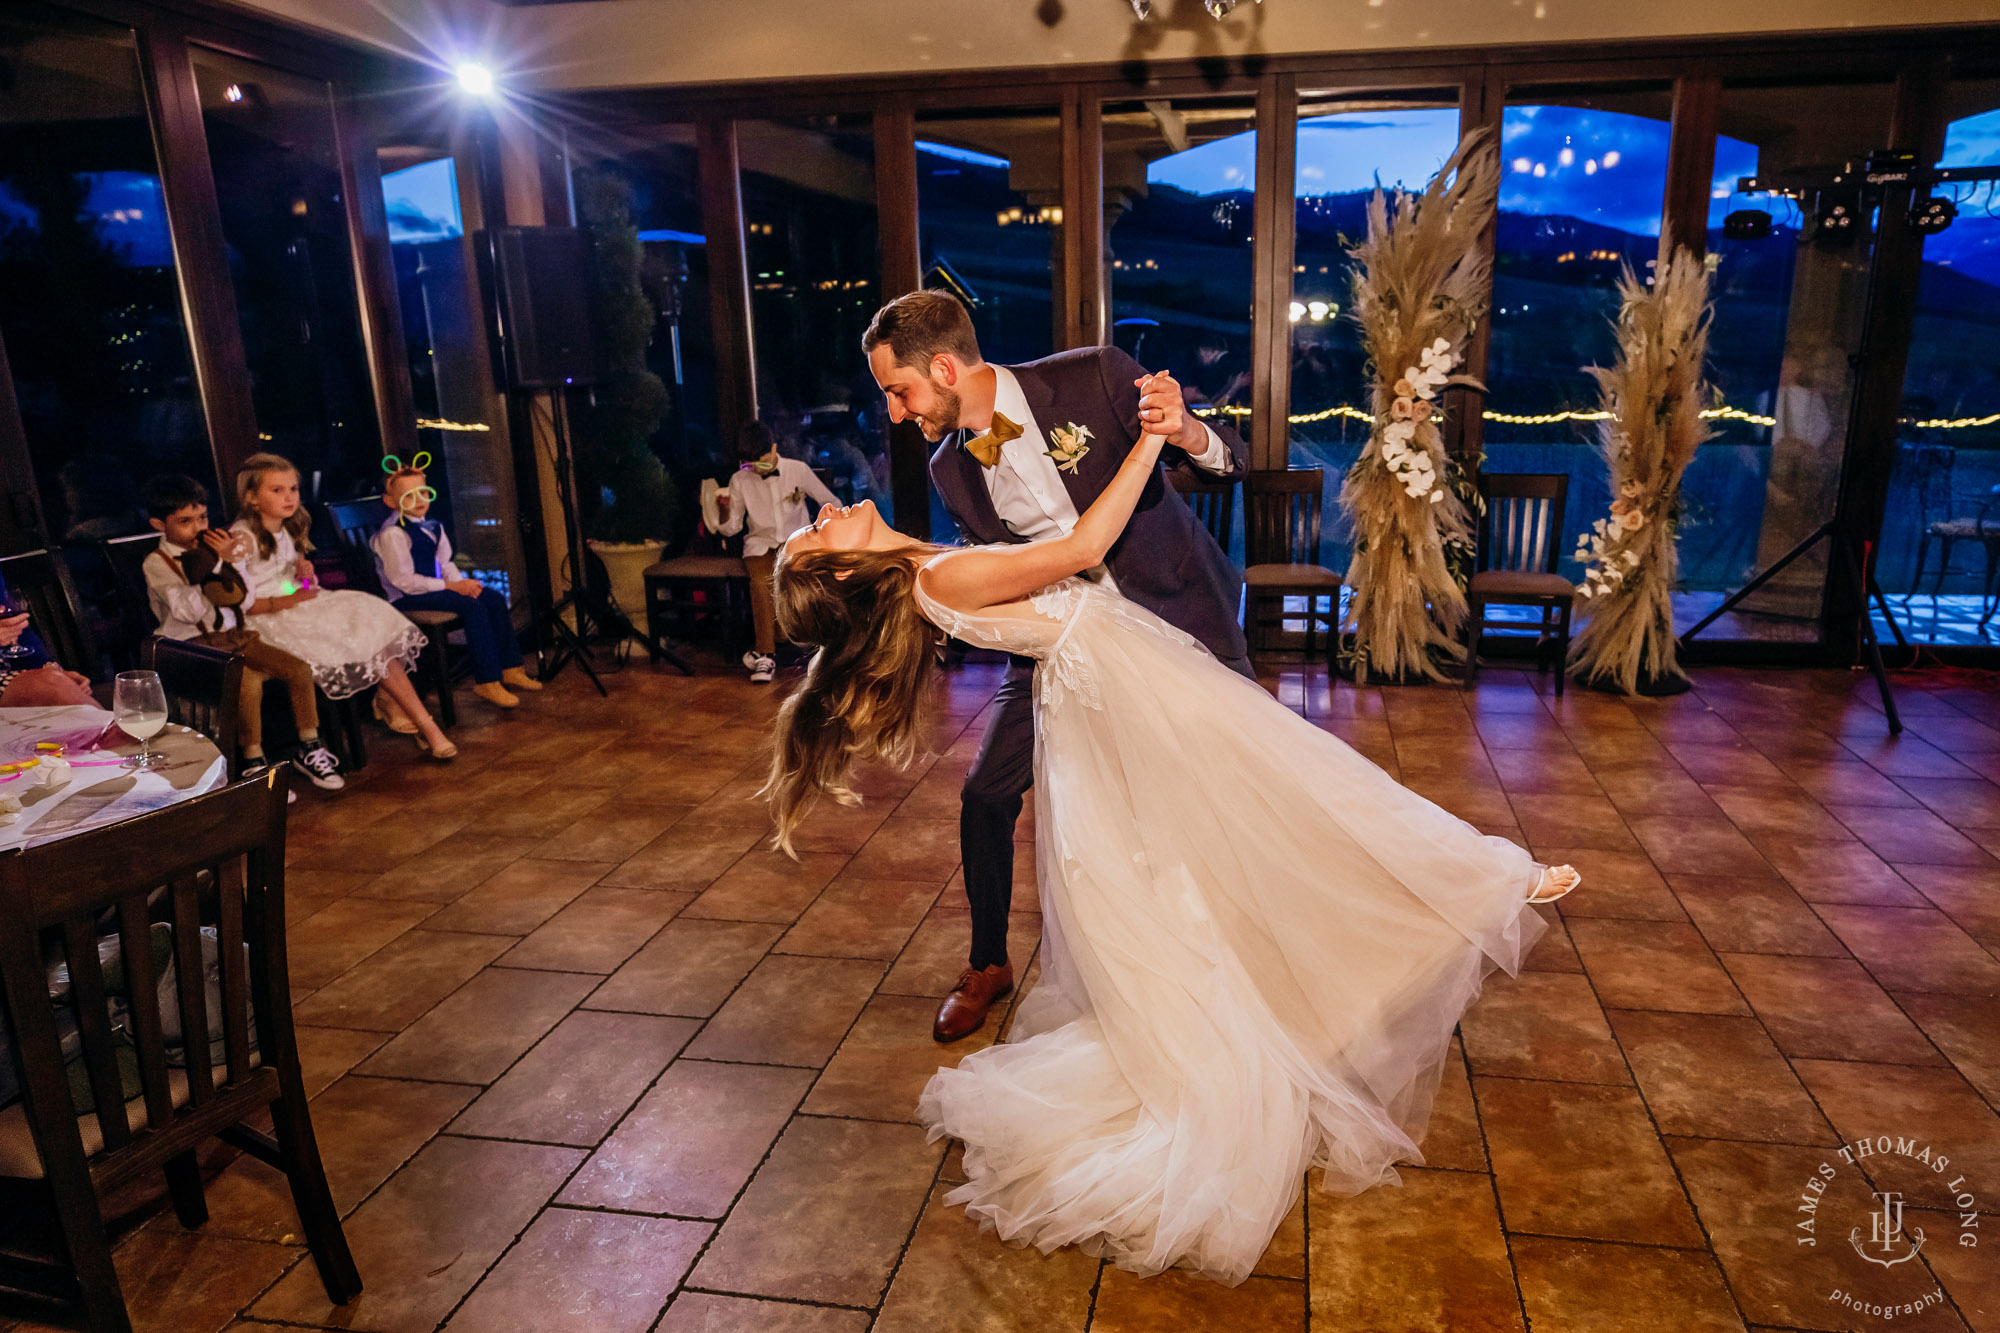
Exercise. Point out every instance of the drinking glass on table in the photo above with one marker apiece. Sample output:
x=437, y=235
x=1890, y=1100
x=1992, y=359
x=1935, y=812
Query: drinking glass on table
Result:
x=10, y=606
x=139, y=704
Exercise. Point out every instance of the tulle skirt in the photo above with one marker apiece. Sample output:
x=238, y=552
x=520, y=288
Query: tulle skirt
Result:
x=348, y=638
x=1256, y=945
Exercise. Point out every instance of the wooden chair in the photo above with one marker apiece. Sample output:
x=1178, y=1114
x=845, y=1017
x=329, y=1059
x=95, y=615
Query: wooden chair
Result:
x=125, y=557
x=40, y=581
x=708, y=582
x=204, y=688
x=1281, y=525
x=1213, y=500
x=216, y=860
x=354, y=525
x=1520, y=541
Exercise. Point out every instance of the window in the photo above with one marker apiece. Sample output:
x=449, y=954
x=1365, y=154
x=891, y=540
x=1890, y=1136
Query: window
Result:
x=989, y=217
x=1788, y=313
x=1179, y=178
x=1344, y=152
x=276, y=158
x=1947, y=478
x=815, y=282
x=90, y=307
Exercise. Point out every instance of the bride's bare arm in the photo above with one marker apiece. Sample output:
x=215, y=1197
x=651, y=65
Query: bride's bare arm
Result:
x=970, y=580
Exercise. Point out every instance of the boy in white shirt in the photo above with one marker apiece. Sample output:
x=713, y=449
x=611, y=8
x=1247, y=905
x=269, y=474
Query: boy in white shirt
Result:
x=769, y=499
x=177, y=507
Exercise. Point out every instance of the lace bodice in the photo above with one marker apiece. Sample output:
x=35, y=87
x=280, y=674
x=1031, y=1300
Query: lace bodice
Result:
x=1032, y=628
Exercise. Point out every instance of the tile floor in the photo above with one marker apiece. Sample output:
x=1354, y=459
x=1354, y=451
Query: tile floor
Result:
x=587, y=1056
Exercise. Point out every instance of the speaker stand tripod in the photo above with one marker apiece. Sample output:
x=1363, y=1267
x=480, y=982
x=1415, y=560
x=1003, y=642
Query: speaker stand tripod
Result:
x=570, y=645
x=1846, y=565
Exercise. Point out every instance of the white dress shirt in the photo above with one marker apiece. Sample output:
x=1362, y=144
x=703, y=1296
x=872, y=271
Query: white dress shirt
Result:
x=772, y=507
x=1025, y=485
x=397, y=565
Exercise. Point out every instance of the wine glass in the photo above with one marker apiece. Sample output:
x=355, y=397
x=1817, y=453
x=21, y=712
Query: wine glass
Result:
x=139, y=704
x=12, y=606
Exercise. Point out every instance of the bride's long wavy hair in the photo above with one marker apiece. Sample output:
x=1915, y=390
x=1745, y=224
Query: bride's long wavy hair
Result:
x=865, y=687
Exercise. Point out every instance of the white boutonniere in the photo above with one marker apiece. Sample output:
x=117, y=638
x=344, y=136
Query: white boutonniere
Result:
x=1068, y=445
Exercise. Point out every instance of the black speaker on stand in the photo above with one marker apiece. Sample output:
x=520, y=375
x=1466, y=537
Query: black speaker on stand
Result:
x=546, y=341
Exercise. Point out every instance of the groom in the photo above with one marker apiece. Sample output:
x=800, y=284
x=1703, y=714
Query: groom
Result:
x=1025, y=449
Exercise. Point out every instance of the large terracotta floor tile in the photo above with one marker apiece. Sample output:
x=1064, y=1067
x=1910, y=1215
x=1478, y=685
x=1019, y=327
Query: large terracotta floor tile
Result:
x=1836, y=872
x=1929, y=1106
x=1784, y=810
x=791, y=1235
x=537, y=812
x=1967, y=1273
x=1553, y=952
x=1847, y=782
x=1571, y=821
x=428, y=1235
x=1917, y=836
x=343, y=933
x=574, y=1085
x=453, y=867
x=1717, y=1076
x=520, y=897
x=179, y=1281
x=684, y=857
x=956, y=1278
x=473, y=1036
x=1964, y=803
x=1753, y=914
x=610, y=833
x=766, y=885
x=1452, y=1140
x=1748, y=1196
x=692, y=1141
x=586, y=1272
x=399, y=983
x=1683, y=844
x=886, y=1059
x=327, y=1053
x=1827, y=1007
x=1542, y=1025
x=1970, y=897
x=789, y=1011
x=1916, y=949
x=366, y=1128
x=1426, y=1257
x=1592, y=1287
x=1581, y=1160
x=1967, y=1029
x=1615, y=884
x=923, y=850
x=1656, y=789
x=1173, y=1301
x=861, y=918
x=1653, y=965
x=596, y=932
x=1547, y=771
x=689, y=968
x=700, y=1312
x=931, y=962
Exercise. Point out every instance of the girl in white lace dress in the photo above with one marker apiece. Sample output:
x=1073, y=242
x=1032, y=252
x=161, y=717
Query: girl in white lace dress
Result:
x=350, y=639
x=1255, y=942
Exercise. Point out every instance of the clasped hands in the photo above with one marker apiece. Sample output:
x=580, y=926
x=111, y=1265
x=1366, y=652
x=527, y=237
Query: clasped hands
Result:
x=1163, y=411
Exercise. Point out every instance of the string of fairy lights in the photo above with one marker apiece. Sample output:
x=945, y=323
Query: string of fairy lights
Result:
x=1724, y=413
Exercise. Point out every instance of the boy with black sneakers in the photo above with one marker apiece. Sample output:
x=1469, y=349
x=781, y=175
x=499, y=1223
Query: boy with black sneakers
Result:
x=177, y=507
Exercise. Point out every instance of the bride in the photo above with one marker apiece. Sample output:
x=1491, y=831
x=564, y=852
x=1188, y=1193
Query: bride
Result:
x=1255, y=942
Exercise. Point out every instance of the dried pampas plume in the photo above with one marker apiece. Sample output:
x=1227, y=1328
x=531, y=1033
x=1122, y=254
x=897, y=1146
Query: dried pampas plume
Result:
x=1654, y=395
x=1419, y=291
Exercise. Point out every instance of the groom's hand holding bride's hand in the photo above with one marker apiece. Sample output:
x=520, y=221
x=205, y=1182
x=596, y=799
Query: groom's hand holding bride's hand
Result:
x=1163, y=411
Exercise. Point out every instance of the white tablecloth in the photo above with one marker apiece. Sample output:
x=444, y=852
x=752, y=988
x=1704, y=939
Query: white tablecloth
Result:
x=100, y=790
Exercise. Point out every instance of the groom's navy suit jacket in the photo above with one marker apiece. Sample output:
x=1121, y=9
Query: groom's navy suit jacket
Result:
x=1165, y=561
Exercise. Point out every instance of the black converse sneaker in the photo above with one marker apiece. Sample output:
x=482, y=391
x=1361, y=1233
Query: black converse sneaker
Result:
x=320, y=767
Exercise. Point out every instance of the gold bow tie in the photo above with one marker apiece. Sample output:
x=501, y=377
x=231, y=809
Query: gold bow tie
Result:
x=986, y=448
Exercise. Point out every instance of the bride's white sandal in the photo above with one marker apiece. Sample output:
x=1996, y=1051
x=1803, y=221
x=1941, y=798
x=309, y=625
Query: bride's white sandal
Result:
x=1556, y=882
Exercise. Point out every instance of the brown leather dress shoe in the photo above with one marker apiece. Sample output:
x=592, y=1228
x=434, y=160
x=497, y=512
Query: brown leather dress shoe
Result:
x=964, y=1010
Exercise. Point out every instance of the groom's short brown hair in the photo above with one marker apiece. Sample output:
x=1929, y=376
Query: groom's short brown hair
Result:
x=918, y=326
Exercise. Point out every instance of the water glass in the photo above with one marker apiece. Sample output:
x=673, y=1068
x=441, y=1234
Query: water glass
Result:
x=139, y=703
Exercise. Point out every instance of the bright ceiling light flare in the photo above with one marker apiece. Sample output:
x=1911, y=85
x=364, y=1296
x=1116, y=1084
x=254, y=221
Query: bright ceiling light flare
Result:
x=475, y=79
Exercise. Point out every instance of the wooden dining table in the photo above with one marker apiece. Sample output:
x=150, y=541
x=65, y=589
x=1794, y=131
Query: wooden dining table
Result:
x=99, y=789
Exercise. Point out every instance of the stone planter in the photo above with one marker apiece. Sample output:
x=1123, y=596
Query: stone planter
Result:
x=625, y=563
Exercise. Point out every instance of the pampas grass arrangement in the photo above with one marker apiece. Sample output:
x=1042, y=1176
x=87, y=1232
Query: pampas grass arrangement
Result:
x=1420, y=288
x=1654, y=395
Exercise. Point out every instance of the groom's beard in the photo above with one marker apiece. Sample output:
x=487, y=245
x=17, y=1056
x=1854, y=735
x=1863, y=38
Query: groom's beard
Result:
x=942, y=419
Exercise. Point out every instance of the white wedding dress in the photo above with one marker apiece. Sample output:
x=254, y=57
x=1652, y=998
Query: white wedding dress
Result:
x=1255, y=945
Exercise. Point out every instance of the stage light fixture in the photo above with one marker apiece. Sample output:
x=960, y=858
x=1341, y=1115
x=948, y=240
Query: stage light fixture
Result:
x=1747, y=224
x=1836, y=215
x=1932, y=214
x=476, y=79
